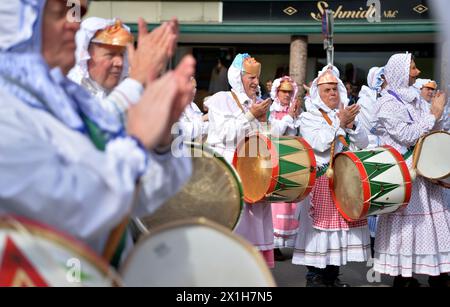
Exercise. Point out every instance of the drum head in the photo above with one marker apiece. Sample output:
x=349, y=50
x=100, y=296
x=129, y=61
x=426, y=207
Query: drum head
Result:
x=214, y=191
x=348, y=186
x=195, y=253
x=34, y=255
x=253, y=164
x=434, y=159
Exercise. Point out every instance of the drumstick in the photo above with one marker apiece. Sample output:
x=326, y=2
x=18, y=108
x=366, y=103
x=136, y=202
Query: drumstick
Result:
x=329, y=173
x=114, y=239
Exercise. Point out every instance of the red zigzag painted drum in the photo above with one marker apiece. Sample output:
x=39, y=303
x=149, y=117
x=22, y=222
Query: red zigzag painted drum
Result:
x=33, y=254
x=370, y=182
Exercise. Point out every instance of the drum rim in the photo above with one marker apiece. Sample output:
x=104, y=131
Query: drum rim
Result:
x=63, y=239
x=365, y=187
x=419, y=147
x=202, y=221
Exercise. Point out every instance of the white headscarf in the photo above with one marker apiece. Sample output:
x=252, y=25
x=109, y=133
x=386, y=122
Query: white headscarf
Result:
x=83, y=38
x=235, y=73
x=18, y=21
x=316, y=102
x=374, y=78
x=396, y=73
x=276, y=105
x=374, y=83
x=333, y=68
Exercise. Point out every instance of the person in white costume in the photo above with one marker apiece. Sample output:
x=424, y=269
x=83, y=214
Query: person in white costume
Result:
x=415, y=239
x=367, y=101
x=285, y=108
x=232, y=115
x=284, y=120
x=193, y=123
x=325, y=241
x=108, y=66
x=64, y=161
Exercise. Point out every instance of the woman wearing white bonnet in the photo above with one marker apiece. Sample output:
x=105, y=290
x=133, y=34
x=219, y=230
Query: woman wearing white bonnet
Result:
x=284, y=120
x=416, y=239
x=367, y=101
x=325, y=241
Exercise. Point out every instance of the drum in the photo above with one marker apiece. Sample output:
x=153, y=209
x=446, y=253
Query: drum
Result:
x=370, y=182
x=195, y=253
x=275, y=169
x=32, y=254
x=214, y=191
x=432, y=153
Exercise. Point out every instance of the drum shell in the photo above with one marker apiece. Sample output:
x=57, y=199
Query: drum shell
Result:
x=54, y=258
x=288, y=175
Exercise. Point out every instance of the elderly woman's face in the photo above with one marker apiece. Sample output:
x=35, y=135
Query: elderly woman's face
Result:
x=284, y=97
x=58, y=33
x=427, y=93
x=250, y=82
x=329, y=94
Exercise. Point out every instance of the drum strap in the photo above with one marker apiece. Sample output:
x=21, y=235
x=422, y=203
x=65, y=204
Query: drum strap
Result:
x=321, y=170
x=236, y=99
x=328, y=120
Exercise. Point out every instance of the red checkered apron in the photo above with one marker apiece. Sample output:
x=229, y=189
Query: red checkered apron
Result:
x=323, y=212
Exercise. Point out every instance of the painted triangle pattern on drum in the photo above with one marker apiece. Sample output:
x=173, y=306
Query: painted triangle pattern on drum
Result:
x=16, y=270
x=366, y=154
x=285, y=150
x=379, y=207
x=290, y=167
x=286, y=183
x=375, y=169
x=289, y=142
x=378, y=189
x=274, y=197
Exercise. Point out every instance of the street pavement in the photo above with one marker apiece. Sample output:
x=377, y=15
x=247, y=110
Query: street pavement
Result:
x=357, y=274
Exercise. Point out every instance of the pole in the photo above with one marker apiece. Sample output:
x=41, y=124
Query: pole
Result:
x=328, y=31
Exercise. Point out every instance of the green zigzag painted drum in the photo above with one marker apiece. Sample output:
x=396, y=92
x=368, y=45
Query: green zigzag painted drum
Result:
x=370, y=182
x=275, y=169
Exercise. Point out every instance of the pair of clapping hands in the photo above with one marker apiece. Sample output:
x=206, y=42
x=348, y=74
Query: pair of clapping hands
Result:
x=259, y=110
x=166, y=94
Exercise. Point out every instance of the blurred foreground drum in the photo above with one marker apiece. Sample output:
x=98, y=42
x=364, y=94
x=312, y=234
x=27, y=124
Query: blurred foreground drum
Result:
x=214, y=192
x=32, y=254
x=432, y=153
x=195, y=253
x=275, y=169
x=370, y=182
